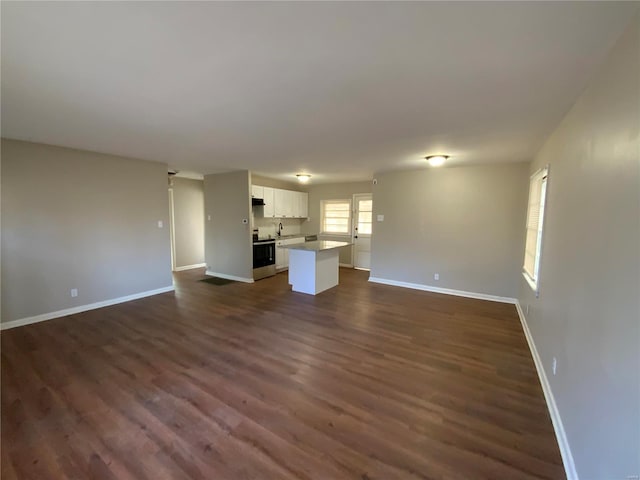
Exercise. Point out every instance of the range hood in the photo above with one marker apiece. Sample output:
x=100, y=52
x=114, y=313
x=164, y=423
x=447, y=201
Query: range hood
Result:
x=257, y=201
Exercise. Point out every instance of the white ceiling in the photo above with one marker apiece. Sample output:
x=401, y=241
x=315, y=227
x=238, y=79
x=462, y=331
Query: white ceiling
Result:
x=337, y=89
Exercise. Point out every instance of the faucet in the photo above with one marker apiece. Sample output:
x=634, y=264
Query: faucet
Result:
x=280, y=227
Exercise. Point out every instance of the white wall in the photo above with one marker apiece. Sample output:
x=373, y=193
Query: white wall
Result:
x=464, y=223
x=188, y=214
x=588, y=311
x=228, y=244
x=78, y=219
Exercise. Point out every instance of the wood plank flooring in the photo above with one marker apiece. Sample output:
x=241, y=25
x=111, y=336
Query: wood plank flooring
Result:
x=365, y=381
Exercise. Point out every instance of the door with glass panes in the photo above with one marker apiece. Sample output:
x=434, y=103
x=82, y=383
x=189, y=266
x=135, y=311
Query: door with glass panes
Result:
x=362, y=223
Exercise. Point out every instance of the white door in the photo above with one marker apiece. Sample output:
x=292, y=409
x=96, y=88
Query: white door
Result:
x=362, y=223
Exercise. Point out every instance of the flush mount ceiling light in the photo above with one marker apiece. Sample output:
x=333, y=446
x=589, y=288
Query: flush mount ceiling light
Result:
x=303, y=177
x=436, y=160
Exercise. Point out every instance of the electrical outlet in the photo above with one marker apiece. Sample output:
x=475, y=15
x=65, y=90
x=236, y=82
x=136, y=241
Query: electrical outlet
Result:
x=436, y=276
x=209, y=217
x=74, y=292
x=554, y=365
x=160, y=224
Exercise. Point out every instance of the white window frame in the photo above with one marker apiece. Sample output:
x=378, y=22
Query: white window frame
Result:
x=539, y=181
x=349, y=221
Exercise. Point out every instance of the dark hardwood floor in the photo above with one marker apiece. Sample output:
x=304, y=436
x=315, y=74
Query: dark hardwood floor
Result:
x=241, y=381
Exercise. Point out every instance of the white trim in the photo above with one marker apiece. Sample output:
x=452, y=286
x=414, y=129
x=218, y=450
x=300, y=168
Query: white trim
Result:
x=530, y=281
x=228, y=277
x=172, y=229
x=446, y=291
x=346, y=265
x=561, y=436
x=82, y=308
x=189, y=267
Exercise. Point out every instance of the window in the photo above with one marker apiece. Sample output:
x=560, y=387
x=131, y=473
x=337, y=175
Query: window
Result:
x=364, y=210
x=535, y=222
x=336, y=217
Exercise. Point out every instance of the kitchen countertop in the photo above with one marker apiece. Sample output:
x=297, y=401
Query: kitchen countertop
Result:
x=294, y=235
x=285, y=237
x=317, y=246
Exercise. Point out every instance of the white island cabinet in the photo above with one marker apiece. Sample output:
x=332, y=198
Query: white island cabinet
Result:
x=313, y=266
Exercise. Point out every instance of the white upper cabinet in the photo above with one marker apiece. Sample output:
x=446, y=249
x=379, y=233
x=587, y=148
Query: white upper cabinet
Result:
x=303, y=204
x=291, y=203
x=257, y=191
x=269, y=206
x=279, y=203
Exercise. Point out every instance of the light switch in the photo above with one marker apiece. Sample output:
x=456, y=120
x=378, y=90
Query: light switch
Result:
x=209, y=217
x=160, y=224
x=380, y=218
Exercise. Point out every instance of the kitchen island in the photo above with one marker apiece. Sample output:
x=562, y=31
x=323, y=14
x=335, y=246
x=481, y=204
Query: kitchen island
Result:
x=313, y=266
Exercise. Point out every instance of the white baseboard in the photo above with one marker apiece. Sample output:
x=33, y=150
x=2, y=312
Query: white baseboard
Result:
x=446, y=291
x=561, y=436
x=189, y=267
x=345, y=265
x=229, y=277
x=81, y=308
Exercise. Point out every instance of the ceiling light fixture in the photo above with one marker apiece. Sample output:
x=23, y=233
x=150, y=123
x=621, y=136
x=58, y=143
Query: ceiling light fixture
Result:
x=436, y=160
x=303, y=177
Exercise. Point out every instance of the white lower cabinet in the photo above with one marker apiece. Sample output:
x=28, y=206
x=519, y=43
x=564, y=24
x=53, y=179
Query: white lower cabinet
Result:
x=282, y=254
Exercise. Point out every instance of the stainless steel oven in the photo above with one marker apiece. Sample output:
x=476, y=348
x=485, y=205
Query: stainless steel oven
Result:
x=264, y=258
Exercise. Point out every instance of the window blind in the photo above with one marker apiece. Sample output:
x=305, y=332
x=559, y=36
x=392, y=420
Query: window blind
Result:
x=535, y=222
x=336, y=216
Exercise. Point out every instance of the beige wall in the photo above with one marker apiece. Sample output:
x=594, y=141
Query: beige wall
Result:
x=588, y=312
x=188, y=213
x=77, y=219
x=466, y=224
x=228, y=245
x=332, y=191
